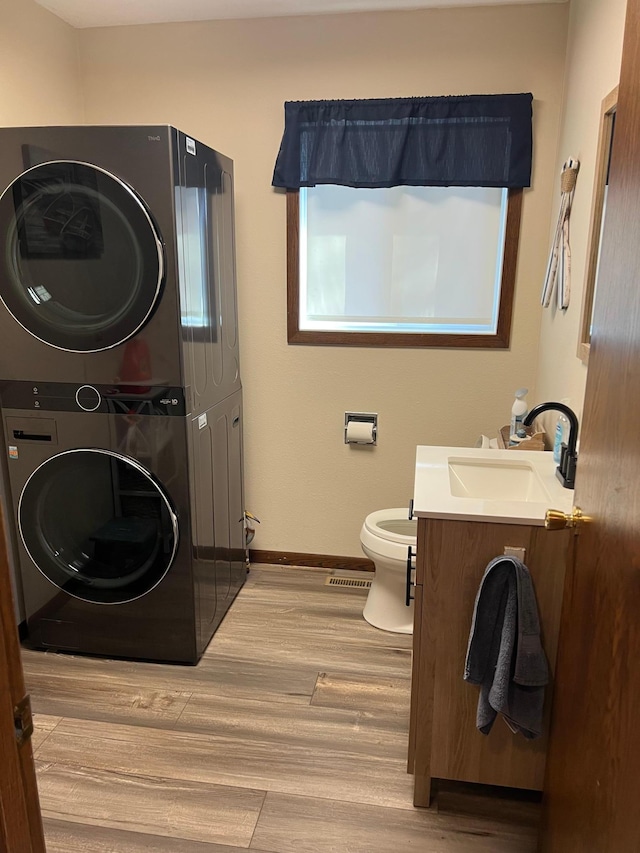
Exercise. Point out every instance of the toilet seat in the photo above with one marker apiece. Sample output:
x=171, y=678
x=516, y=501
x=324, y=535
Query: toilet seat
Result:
x=389, y=532
x=393, y=525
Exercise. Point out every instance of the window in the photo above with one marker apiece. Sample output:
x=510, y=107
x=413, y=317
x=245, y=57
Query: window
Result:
x=403, y=218
x=402, y=266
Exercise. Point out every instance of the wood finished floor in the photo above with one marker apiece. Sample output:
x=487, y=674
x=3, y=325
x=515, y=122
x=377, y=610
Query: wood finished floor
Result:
x=289, y=737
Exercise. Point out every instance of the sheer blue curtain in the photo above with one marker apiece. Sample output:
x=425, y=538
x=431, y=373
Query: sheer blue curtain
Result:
x=461, y=140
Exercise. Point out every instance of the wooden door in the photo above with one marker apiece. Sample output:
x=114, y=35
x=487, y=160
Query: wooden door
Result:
x=20, y=821
x=593, y=770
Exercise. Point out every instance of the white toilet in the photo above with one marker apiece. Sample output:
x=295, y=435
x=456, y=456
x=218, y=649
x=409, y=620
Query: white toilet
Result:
x=385, y=537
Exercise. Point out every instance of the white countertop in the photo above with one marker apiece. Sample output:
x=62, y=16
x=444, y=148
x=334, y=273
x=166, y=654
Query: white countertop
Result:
x=450, y=483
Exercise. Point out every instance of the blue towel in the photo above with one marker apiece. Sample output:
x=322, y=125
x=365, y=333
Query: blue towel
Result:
x=505, y=655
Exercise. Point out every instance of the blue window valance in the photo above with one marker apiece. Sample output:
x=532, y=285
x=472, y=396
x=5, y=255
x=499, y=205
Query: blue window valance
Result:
x=460, y=140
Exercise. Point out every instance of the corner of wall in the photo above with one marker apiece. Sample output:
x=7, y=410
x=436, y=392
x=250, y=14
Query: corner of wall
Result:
x=80, y=76
x=592, y=64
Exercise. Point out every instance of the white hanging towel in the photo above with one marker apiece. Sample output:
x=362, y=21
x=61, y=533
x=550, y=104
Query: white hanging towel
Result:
x=558, y=275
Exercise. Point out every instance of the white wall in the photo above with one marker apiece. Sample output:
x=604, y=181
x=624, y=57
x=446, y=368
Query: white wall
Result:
x=39, y=74
x=594, y=52
x=225, y=82
x=39, y=84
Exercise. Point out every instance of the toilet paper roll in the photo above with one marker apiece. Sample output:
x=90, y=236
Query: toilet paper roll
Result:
x=360, y=432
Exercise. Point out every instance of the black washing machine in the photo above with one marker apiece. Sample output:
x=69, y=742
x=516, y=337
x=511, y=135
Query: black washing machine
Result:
x=117, y=260
x=130, y=519
x=120, y=387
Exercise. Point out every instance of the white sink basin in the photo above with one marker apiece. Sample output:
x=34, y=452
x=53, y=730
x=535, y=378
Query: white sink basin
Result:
x=507, y=486
x=501, y=480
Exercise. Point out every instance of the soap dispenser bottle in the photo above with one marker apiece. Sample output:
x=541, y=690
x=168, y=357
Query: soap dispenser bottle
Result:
x=562, y=430
x=518, y=410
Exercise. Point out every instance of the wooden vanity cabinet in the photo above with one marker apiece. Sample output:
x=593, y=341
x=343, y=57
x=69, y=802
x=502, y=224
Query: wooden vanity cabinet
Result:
x=443, y=740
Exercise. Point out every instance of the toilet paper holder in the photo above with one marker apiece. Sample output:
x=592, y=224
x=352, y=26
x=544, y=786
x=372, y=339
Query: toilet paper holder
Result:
x=369, y=419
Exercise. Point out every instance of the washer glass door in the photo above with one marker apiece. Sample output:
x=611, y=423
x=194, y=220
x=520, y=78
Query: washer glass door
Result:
x=82, y=264
x=98, y=525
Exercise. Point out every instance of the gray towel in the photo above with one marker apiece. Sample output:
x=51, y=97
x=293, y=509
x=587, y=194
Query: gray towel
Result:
x=505, y=655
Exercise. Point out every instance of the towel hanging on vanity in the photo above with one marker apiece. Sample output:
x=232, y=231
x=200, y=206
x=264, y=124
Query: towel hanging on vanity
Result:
x=505, y=655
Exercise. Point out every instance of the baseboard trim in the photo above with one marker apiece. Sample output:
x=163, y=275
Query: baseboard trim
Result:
x=319, y=561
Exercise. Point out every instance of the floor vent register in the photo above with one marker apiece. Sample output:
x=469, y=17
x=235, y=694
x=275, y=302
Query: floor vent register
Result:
x=364, y=583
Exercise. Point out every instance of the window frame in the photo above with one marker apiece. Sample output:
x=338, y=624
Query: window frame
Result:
x=499, y=340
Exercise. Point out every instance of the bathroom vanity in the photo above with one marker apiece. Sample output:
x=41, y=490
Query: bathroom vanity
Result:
x=471, y=505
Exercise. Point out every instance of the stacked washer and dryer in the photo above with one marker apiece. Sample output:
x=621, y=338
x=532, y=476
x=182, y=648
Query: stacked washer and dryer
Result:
x=120, y=388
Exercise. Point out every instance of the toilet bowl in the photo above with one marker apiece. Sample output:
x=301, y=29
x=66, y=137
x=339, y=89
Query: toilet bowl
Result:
x=385, y=537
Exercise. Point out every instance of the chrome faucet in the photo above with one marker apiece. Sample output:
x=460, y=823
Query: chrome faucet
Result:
x=566, y=470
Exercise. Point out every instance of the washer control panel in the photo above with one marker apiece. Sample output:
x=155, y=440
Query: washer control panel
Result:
x=98, y=399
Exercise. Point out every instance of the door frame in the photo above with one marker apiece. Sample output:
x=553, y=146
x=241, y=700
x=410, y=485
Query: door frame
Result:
x=20, y=818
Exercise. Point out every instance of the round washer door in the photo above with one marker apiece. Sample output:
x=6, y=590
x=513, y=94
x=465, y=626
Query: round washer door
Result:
x=82, y=265
x=98, y=525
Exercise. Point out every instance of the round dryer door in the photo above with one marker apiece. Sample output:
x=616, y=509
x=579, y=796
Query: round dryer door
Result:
x=98, y=525
x=82, y=261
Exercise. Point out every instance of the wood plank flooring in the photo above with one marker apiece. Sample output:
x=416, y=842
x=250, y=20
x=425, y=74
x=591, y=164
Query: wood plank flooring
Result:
x=290, y=736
